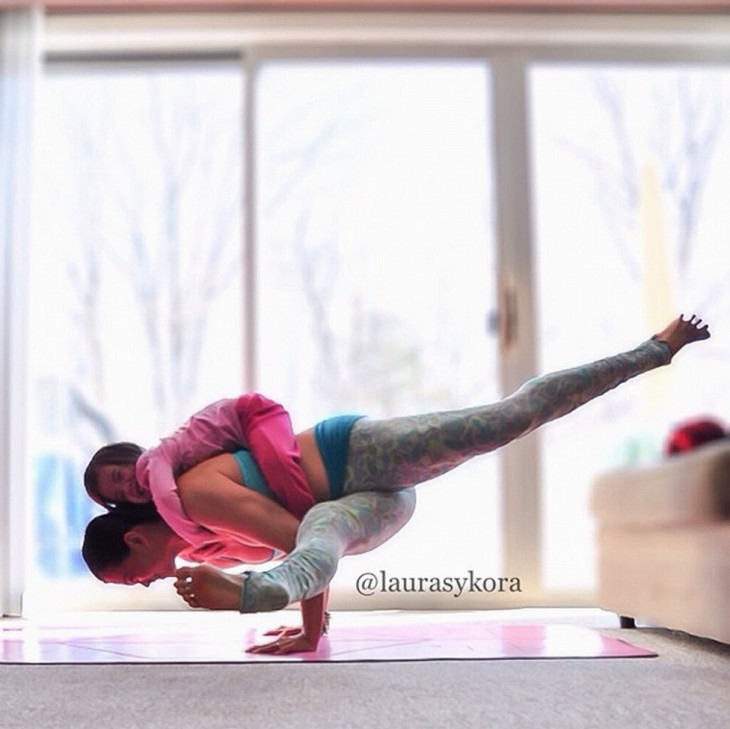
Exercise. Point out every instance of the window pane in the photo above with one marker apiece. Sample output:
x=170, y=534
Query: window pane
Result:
x=136, y=276
x=631, y=169
x=375, y=273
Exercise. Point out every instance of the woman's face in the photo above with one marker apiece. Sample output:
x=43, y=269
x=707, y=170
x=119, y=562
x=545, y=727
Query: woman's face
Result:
x=115, y=484
x=149, y=559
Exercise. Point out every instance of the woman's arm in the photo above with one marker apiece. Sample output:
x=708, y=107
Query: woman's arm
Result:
x=231, y=549
x=212, y=498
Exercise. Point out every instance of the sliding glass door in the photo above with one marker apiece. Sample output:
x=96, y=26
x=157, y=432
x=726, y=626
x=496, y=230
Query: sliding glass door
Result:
x=631, y=174
x=135, y=284
x=375, y=277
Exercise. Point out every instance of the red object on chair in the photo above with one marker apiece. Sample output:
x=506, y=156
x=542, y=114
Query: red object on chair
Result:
x=693, y=434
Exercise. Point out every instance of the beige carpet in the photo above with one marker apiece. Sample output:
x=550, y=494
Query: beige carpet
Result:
x=686, y=686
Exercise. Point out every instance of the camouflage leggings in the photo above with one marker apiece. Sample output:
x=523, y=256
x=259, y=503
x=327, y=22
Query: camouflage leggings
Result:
x=387, y=458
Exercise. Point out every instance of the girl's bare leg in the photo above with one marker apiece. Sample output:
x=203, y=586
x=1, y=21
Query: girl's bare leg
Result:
x=402, y=452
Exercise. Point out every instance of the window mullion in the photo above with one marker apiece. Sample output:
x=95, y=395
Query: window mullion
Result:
x=518, y=357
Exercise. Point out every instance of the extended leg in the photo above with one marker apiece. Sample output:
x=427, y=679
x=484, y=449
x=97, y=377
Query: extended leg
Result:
x=402, y=452
x=398, y=453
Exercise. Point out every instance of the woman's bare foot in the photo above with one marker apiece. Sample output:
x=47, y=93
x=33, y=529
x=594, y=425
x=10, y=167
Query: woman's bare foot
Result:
x=683, y=331
x=207, y=587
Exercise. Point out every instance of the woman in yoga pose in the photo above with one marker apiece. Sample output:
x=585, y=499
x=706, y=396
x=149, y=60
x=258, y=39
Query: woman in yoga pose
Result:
x=149, y=524
x=357, y=458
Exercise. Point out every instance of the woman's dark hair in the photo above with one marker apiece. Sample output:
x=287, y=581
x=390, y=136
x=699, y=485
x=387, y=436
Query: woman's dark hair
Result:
x=113, y=454
x=104, y=544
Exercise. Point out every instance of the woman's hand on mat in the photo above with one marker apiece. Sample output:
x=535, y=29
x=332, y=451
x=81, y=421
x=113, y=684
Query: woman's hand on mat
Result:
x=298, y=643
x=284, y=631
x=288, y=630
x=315, y=622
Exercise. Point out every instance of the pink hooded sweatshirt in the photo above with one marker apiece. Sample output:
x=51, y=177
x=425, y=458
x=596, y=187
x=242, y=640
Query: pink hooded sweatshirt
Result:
x=251, y=421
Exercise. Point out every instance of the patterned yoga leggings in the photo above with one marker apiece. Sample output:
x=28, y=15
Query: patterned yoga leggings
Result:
x=387, y=458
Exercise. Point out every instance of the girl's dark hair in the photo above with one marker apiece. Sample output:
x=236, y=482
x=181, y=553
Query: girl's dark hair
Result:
x=104, y=544
x=113, y=454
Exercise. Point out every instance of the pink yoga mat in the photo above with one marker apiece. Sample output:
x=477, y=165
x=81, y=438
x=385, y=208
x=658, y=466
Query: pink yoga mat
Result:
x=23, y=642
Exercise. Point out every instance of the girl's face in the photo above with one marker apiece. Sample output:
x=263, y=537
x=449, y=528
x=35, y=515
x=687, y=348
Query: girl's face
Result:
x=117, y=484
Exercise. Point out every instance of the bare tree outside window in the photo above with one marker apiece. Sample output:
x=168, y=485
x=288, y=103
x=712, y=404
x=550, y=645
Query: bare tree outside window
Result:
x=138, y=257
x=353, y=194
x=674, y=123
x=632, y=225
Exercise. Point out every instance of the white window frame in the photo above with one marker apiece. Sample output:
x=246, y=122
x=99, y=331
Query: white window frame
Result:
x=18, y=70
x=509, y=44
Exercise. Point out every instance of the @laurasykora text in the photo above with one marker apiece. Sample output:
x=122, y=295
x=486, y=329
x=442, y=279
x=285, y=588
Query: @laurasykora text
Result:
x=370, y=583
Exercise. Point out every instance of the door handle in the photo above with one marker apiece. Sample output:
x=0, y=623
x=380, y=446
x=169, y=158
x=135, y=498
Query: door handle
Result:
x=502, y=320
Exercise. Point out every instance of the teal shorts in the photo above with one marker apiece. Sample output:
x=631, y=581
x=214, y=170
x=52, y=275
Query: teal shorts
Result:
x=251, y=474
x=333, y=440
